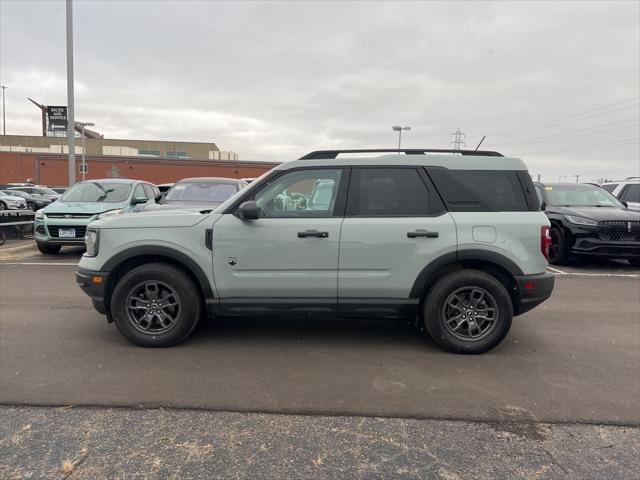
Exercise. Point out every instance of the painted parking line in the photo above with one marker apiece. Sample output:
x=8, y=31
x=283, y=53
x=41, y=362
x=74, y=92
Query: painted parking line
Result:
x=557, y=271
x=38, y=263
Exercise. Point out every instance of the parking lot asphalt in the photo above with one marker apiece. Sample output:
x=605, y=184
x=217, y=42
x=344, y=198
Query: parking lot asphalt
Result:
x=576, y=358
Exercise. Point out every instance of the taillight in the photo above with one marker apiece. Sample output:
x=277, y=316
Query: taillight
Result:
x=545, y=241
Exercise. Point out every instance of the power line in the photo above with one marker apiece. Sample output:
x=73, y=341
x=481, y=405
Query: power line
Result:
x=620, y=143
x=563, y=136
x=525, y=140
x=579, y=89
x=535, y=126
x=562, y=122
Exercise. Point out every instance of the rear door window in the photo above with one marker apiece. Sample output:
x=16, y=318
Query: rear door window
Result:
x=388, y=192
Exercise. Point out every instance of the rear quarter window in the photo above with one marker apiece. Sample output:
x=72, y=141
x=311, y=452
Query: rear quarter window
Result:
x=610, y=187
x=484, y=190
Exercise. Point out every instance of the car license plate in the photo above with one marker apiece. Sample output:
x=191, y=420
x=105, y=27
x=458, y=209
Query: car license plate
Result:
x=67, y=233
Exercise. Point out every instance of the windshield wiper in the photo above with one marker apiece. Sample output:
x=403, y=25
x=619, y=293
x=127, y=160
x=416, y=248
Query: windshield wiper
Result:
x=105, y=195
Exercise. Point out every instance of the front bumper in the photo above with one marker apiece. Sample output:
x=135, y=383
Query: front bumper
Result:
x=93, y=284
x=593, y=246
x=48, y=232
x=612, y=239
x=532, y=290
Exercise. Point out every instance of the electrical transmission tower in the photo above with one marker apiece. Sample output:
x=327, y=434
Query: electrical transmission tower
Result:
x=456, y=140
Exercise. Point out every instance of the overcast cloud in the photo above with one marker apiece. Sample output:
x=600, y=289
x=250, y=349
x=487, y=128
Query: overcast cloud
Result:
x=273, y=80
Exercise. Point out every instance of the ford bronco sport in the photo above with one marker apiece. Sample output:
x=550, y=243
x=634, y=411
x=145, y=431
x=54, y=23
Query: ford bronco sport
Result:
x=455, y=238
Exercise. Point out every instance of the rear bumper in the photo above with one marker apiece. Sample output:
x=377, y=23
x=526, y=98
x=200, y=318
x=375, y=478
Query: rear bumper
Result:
x=93, y=284
x=532, y=291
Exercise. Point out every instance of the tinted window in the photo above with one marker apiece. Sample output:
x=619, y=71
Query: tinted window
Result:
x=480, y=190
x=302, y=193
x=611, y=187
x=391, y=192
x=97, y=192
x=631, y=193
x=539, y=194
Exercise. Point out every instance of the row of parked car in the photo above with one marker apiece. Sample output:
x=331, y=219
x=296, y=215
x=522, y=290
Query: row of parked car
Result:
x=15, y=196
x=65, y=221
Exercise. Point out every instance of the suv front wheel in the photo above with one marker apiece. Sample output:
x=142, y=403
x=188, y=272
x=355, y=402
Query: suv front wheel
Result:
x=156, y=305
x=468, y=311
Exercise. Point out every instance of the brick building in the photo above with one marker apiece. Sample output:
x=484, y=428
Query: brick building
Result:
x=48, y=169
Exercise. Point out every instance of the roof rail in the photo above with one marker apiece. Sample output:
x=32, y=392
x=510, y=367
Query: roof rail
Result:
x=328, y=154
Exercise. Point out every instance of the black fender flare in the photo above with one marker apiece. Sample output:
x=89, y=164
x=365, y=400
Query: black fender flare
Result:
x=427, y=273
x=167, y=252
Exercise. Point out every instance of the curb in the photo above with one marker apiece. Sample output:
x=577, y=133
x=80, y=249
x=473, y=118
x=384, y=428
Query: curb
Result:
x=11, y=251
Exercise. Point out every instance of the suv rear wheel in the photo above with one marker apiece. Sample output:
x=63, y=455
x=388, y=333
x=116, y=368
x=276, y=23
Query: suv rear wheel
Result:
x=156, y=305
x=468, y=311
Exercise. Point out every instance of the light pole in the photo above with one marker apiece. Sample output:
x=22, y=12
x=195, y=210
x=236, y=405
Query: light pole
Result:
x=71, y=124
x=399, y=129
x=83, y=165
x=4, y=120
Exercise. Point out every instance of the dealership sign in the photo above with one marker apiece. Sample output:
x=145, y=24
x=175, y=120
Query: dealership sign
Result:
x=57, y=118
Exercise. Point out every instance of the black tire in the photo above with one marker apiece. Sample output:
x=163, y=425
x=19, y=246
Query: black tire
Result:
x=491, y=331
x=171, y=282
x=3, y=206
x=558, y=248
x=48, y=249
x=31, y=206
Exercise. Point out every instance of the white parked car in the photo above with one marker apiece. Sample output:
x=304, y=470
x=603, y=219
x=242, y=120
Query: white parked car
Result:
x=11, y=202
x=627, y=191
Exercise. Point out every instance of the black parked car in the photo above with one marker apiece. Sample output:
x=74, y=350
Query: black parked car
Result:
x=33, y=203
x=588, y=221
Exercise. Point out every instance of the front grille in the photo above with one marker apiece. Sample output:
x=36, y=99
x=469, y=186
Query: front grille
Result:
x=619, y=231
x=80, y=230
x=69, y=215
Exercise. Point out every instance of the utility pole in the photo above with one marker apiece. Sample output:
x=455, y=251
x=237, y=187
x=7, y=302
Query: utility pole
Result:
x=577, y=177
x=4, y=119
x=71, y=123
x=456, y=140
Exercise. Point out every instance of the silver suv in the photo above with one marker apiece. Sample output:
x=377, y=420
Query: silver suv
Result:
x=455, y=238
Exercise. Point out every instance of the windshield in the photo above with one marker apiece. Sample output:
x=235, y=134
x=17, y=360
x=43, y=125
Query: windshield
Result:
x=201, y=192
x=580, y=196
x=103, y=192
x=14, y=193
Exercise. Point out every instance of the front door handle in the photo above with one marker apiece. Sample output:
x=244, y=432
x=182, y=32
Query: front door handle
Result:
x=422, y=233
x=313, y=233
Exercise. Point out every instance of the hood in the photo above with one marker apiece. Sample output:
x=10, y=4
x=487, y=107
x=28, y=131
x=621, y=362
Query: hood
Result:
x=169, y=205
x=599, y=214
x=152, y=219
x=81, y=207
x=12, y=198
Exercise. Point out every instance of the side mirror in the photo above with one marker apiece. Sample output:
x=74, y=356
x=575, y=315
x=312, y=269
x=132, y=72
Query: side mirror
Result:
x=626, y=205
x=139, y=200
x=249, y=211
x=543, y=206
x=159, y=197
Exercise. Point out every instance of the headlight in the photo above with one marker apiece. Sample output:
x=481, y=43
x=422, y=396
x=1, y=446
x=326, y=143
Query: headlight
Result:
x=91, y=240
x=581, y=221
x=109, y=213
x=39, y=215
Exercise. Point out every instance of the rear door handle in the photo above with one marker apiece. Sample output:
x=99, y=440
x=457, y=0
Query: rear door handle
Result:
x=313, y=233
x=422, y=233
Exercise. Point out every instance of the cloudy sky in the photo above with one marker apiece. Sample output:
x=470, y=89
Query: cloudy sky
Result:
x=554, y=82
